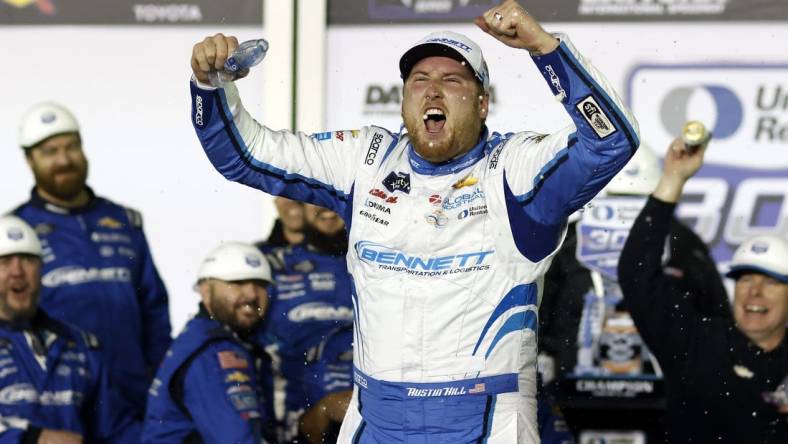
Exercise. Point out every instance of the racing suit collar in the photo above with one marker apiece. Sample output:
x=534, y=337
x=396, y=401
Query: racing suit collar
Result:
x=423, y=166
x=38, y=201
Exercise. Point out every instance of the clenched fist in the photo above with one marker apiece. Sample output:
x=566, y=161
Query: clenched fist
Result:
x=511, y=24
x=210, y=55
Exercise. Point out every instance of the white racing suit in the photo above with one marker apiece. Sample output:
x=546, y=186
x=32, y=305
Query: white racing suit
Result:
x=446, y=259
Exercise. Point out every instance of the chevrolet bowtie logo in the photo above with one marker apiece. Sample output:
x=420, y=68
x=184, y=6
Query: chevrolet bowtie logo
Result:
x=466, y=181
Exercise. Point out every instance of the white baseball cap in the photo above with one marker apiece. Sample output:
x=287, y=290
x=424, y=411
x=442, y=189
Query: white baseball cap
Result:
x=235, y=261
x=44, y=121
x=447, y=44
x=762, y=254
x=17, y=237
x=640, y=175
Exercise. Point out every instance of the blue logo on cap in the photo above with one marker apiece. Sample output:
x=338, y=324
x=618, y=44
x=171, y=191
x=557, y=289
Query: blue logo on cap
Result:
x=252, y=261
x=48, y=117
x=15, y=234
x=759, y=247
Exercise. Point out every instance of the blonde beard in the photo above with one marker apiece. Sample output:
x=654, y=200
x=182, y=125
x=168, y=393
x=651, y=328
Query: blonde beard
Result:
x=442, y=150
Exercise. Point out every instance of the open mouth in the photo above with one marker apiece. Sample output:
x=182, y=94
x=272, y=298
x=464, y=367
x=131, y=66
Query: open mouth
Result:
x=434, y=119
x=752, y=308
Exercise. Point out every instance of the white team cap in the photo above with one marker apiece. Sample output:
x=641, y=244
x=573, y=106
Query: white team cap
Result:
x=44, y=121
x=640, y=175
x=447, y=44
x=17, y=237
x=235, y=261
x=762, y=254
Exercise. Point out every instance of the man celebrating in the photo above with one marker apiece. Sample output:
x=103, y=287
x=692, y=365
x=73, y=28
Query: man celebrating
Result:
x=451, y=225
x=53, y=387
x=209, y=388
x=726, y=370
x=98, y=273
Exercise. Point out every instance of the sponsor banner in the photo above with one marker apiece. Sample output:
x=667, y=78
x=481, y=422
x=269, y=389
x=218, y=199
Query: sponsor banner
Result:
x=431, y=11
x=640, y=387
x=603, y=230
x=742, y=189
x=131, y=12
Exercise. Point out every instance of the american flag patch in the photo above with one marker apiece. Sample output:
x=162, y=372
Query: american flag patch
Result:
x=478, y=388
x=230, y=359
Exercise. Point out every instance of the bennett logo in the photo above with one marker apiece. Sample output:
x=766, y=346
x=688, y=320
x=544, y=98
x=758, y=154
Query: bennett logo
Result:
x=451, y=42
x=596, y=117
x=198, y=111
x=388, y=258
x=374, y=146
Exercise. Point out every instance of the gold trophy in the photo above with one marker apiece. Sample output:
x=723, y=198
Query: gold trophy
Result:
x=694, y=135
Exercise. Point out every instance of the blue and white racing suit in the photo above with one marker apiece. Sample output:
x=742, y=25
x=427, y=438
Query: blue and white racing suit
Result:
x=99, y=275
x=52, y=377
x=446, y=259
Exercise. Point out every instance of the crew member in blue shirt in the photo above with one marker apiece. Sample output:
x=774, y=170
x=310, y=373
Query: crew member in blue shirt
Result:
x=98, y=272
x=53, y=386
x=210, y=387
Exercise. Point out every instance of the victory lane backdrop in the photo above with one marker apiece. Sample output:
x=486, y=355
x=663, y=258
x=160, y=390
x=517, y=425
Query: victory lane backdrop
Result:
x=667, y=71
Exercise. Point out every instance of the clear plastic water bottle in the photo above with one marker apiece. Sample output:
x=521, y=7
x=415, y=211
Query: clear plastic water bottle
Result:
x=247, y=55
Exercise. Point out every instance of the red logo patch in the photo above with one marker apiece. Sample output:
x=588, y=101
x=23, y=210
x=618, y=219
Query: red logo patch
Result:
x=435, y=199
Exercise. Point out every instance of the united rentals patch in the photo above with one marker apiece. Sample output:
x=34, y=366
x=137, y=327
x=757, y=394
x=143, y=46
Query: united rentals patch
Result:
x=595, y=117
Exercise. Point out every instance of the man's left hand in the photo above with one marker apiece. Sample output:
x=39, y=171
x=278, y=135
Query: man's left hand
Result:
x=511, y=24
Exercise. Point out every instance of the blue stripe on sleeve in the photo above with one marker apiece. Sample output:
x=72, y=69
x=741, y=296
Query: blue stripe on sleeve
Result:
x=230, y=155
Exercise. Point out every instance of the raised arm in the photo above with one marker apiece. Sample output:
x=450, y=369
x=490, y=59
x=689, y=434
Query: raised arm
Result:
x=661, y=304
x=549, y=177
x=318, y=169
